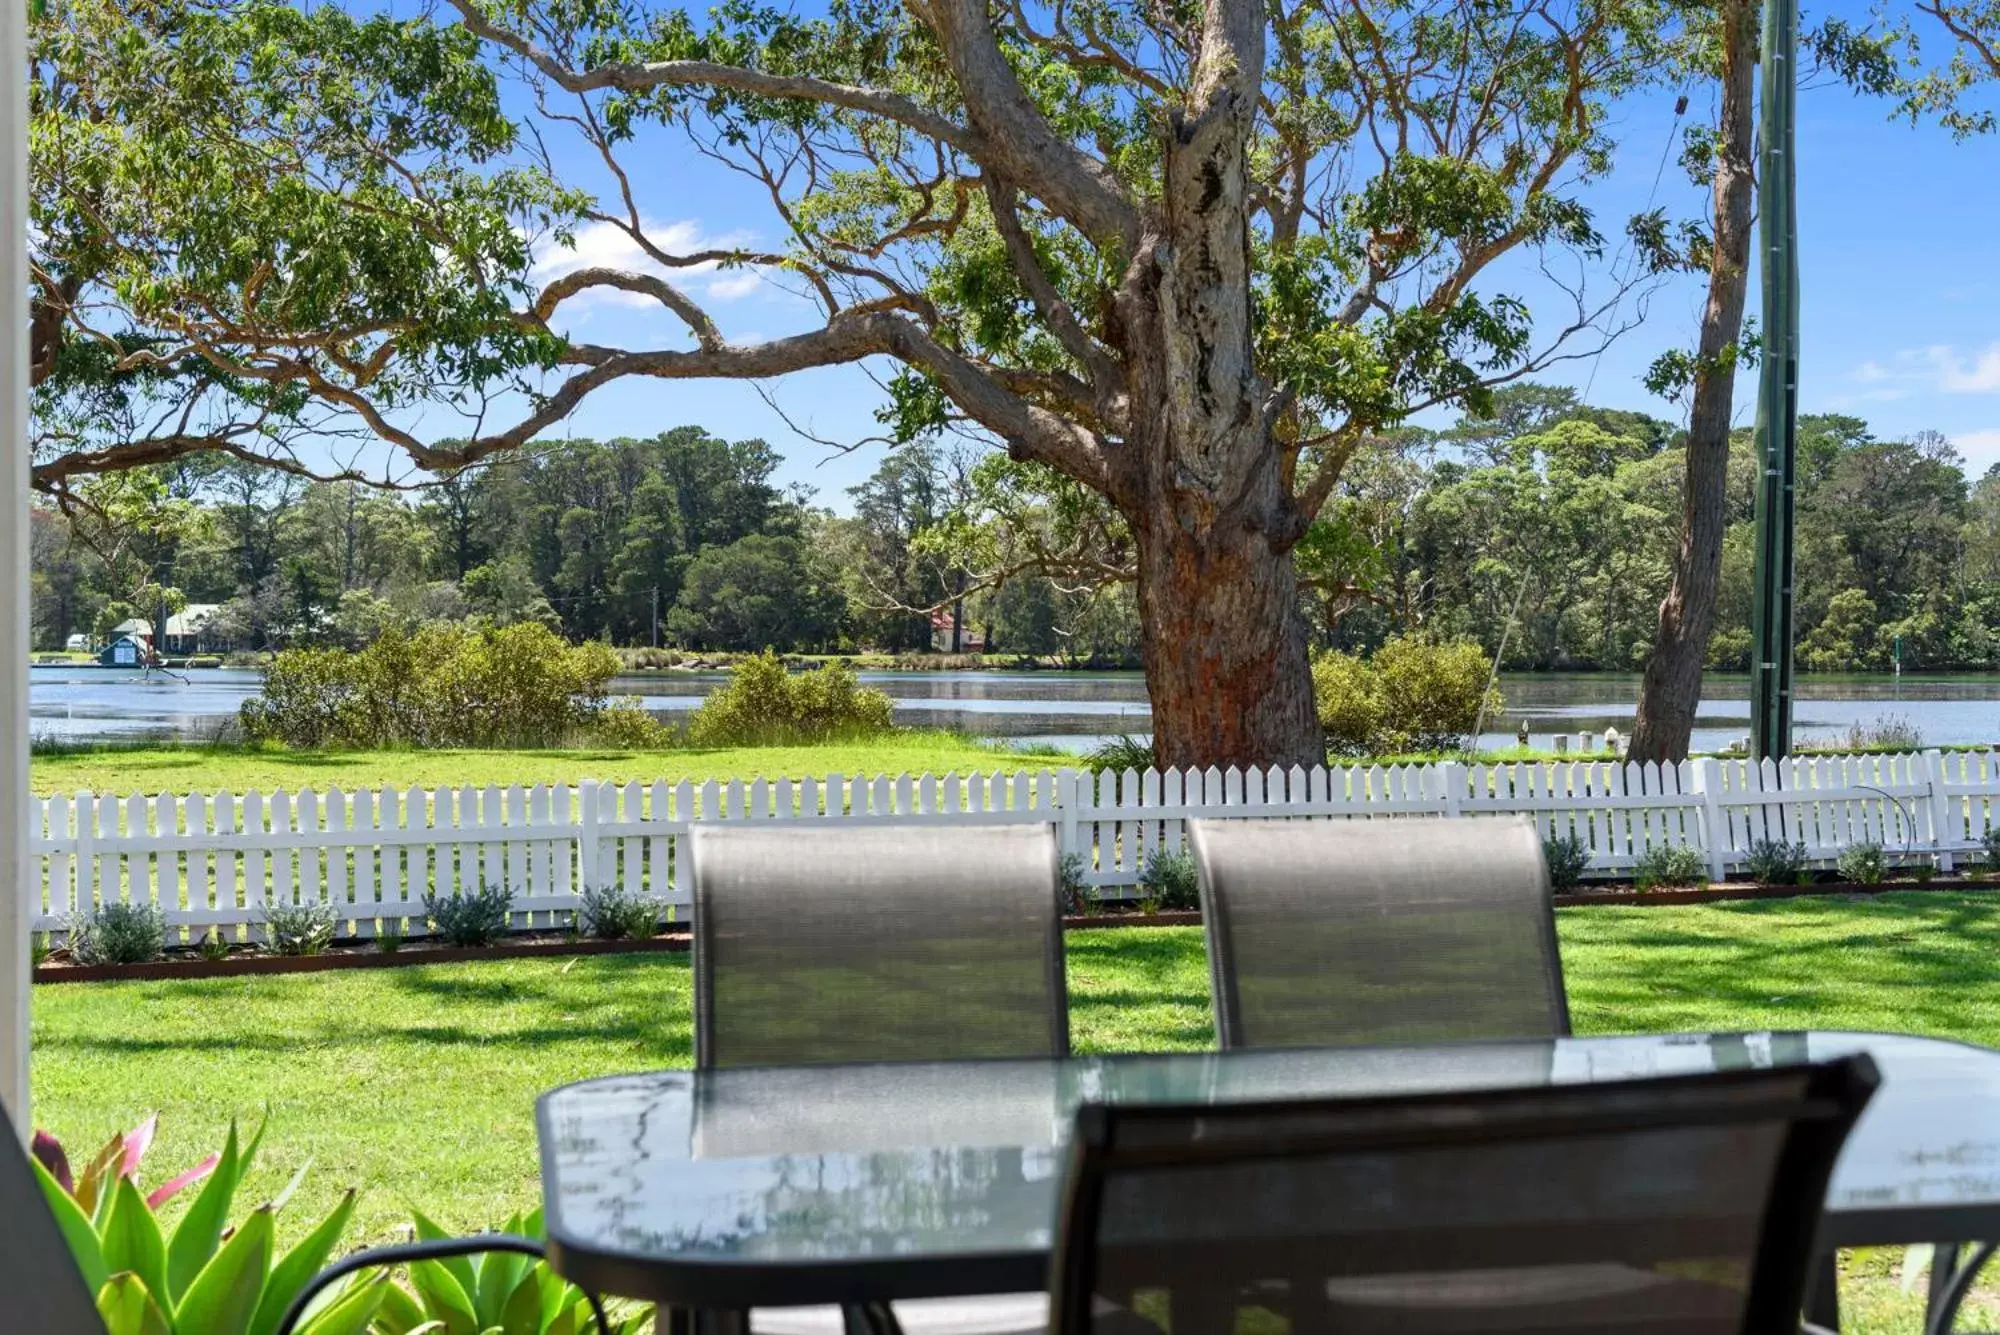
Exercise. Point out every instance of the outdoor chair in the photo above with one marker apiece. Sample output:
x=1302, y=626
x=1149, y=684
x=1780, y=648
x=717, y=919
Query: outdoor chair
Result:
x=1679, y=1206
x=41, y=1287
x=1346, y=932
x=880, y=944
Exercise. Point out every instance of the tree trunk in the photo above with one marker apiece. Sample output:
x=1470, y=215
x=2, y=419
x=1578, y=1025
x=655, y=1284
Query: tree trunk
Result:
x=1672, y=685
x=1225, y=650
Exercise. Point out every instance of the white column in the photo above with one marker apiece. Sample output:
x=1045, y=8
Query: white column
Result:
x=14, y=882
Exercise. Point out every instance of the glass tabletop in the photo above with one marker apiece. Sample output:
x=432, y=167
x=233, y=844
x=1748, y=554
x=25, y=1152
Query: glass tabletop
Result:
x=826, y=1183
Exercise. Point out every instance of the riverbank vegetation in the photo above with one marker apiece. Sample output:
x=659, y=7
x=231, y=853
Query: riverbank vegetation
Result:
x=327, y=1053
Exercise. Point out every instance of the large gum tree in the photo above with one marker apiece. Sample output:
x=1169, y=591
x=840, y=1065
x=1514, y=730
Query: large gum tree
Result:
x=1188, y=256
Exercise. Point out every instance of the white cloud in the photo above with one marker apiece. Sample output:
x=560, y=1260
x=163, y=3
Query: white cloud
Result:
x=1937, y=369
x=1980, y=448
x=608, y=246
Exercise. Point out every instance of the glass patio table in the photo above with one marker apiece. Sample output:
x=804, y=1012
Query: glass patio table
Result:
x=722, y=1190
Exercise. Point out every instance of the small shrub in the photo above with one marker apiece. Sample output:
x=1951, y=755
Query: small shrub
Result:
x=1670, y=865
x=1568, y=857
x=299, y=929
x=612, y=914
x=213, y=946
x=765, y=705
x=389, y=940
x=1863, y=863
x=627, y=727
x=1078, y=895
x=1885, y=732
x=1416, y=693
x=1120, y=753
x=1169, y=880
x=1775, y=861
x=118, y=933
x=476, y=919
x=38, y=949
x=1989, y=844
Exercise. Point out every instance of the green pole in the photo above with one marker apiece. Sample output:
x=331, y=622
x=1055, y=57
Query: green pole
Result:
x=1777, y=384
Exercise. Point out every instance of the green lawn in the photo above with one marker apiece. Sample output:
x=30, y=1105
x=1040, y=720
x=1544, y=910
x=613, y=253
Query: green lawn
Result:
x=201, y=768
x=417, y=1083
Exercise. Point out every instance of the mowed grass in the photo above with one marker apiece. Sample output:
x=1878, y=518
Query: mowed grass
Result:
x=417, y=1084
x=198, y=768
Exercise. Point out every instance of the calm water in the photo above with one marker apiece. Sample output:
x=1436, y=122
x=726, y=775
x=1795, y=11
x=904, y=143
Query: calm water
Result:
x=1073, y=708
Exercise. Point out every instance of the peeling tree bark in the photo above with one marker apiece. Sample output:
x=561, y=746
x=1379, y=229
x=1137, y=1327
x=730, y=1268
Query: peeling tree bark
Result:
x=1672, y=685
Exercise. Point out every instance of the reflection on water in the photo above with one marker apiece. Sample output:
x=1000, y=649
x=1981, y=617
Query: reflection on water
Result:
x=1074, y=709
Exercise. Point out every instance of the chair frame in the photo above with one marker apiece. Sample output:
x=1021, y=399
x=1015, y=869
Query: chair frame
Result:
x=1818, y=1123
x=1217, y=924
x=704, y=952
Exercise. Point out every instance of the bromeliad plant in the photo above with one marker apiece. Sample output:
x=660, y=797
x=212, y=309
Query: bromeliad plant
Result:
x=202, y=1277
x=497, y=1293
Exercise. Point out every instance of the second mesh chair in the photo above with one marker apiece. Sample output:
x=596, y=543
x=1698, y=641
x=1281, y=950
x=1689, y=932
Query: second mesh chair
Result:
x=816, y=945
x=1680, y=1206
x=1328, y=933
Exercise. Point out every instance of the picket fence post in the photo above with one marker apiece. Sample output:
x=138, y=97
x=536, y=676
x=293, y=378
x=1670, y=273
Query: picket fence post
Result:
x=1067, y=828
x=587, y=844
x=1945, y=832
x=1714, y=833
x=1451, y=779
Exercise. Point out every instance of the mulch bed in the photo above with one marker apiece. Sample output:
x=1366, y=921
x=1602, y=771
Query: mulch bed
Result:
x=367, y=955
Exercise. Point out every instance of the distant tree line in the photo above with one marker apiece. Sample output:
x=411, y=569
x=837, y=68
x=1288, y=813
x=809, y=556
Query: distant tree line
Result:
x=681, y=539
x=1562, y=519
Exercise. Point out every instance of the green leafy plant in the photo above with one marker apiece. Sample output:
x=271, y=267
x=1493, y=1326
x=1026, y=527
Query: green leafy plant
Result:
x=204, y=1276
x=1989, y=844
x=1568, y=857
x=305, y=928
x=478, y=918
x=625, y=726
x=213, y=945
x=38, y=949
x=765, y=705
x=1120, y=754
x=610, y=913
x=1416, y=693
x=1863, y=863
x=1078, y=894
x=1170, y=880
x=118, y=932
x=389, y=940
x=1670, y=865
x=495, y=1293
x=1775, y=861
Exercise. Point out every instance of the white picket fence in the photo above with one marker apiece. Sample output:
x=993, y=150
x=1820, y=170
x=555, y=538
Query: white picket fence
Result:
x=219, y=860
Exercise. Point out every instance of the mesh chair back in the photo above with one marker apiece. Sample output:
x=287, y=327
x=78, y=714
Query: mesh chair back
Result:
x=41, y=1288
x=876, y=944
x=1327, y=933
x=1683, y=1206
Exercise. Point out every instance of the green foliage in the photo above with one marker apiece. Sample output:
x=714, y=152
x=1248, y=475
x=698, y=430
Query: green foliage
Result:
x=389, y=940
x=1886, y=732
x=611, y=913
x=764, y=705
x=303, y=928
x=517, y=685
x=497, y=1293
x=1666, y=865
x=1078, y=895
x=39, y=949
x=1119, y=754
x=1775, y=861
x=1414, y=694
x=213, y=946
x=118, y=932
x=1863, y=863
x=626, y=726
x=470, y=918
x=1989, y=846
x=1170, y=879
x=1568, y=857
x=759, y=590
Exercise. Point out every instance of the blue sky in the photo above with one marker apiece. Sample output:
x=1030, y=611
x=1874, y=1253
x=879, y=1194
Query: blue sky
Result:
x=1900, y=291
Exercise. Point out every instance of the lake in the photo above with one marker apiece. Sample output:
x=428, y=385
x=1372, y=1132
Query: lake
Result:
x=1073, y=709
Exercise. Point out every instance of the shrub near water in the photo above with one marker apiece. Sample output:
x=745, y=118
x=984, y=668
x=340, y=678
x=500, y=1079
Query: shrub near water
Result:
x=521, y=685
x=1414, y=694
x=764, y=705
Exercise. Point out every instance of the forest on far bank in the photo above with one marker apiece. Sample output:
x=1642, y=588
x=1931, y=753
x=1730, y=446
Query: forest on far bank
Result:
x=1567, y=512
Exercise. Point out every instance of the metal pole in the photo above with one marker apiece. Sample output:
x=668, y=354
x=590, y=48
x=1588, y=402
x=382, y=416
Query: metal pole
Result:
x=1777, y=385
x=15, y=884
